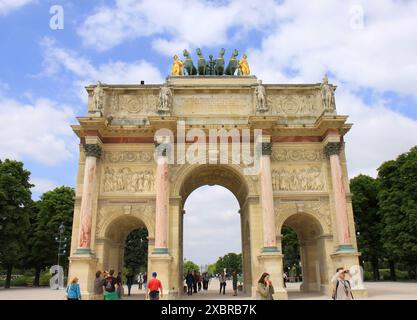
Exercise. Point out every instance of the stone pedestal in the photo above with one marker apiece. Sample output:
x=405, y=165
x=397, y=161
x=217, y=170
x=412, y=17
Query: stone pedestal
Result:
x=347, y=260
x=83, y=267
x=161, y=263
x=272, y=264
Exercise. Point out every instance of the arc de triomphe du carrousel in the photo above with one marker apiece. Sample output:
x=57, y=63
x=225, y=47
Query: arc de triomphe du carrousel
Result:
x=279, y=148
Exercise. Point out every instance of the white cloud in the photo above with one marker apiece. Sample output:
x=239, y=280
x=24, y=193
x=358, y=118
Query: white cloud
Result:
x=42, y=185
x=7, y=6
x=314, y=37
x=196, y=23
x=39, y=131
x=378, y=134
x=211, y=224
x=58, y=60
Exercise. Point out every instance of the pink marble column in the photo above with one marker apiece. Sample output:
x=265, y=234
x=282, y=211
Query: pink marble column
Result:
x=92, y=152
x=162, y=204
x=332, y=150
x=267, y=199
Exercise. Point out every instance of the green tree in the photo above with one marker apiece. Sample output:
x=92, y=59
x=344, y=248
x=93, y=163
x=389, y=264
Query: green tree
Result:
x=190, y=266
x=54, y=208
x=367, y=220
x=211, y=269
x=15, y=203
x=291, y=250
x=397, y=198
x=136, y=250
x=231, y=262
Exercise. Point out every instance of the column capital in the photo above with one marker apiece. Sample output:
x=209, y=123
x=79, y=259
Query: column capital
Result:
x=266, y=148
x=163, y=146
x=332, y=148
x=92, y=150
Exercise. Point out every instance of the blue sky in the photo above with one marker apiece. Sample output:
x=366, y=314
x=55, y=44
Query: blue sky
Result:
x=368, y=48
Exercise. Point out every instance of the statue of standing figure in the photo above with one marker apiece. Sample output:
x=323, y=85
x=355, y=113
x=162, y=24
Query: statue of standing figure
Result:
x=165, y=96
x=98, y=97
x=244, y=66
x=260, y=95
x=210, y=66
x=176, y=69
x=327, y=95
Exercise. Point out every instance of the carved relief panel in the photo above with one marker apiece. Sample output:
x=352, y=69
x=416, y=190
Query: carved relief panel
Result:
x=128, y=180
x=298, y=179
x=292, y=105
x=131, y=104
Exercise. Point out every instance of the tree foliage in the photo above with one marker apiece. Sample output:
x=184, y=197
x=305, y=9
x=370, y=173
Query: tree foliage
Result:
x=188, y=265
x=136, y=250
x=397, y=198
x=231, y=262
x=367, y=220
x=291, y=250
x=54, y=208
x=15, y=205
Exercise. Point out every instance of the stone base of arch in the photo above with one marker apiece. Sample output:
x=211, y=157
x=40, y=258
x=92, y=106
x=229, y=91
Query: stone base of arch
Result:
x=84, y=267
x=346, y=259
x=161, y=264
x=271, y=262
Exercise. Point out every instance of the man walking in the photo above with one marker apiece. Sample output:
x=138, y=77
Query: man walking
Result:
x=154, y=289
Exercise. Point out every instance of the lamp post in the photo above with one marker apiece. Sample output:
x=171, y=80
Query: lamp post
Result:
x=61, y=248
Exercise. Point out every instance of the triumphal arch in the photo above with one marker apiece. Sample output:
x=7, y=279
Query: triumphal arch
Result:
x=279, y=148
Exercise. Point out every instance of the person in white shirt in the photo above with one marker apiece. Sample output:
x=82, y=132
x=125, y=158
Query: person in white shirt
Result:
x=341, y=286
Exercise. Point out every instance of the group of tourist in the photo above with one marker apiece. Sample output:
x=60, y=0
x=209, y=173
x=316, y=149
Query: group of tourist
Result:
x=194, y=282
x=108, y=287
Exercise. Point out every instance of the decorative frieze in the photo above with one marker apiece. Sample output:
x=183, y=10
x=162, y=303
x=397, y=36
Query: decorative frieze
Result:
x=297, y=155
x=128, y=180
x=298, y=179
x=128, y=156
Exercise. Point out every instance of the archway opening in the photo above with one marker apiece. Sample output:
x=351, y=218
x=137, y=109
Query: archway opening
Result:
x=213, y=228
x=125, y=250
x=303, y=248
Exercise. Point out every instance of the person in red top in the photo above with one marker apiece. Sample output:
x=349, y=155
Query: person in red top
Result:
x=154, y=287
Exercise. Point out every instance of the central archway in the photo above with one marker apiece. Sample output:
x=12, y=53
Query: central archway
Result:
x=230, y=178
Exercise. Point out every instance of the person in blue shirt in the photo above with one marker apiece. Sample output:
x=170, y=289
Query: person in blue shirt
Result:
x=73, y=290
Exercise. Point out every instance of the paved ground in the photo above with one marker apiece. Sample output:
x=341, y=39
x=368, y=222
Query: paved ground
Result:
x=376, y=291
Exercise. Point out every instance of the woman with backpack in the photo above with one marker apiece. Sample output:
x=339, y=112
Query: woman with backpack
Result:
x=110, y=286
x=73, y=290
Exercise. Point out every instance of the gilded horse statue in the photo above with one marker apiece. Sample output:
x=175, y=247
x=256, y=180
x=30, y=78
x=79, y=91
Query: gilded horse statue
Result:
x=233, y=64
x=201, y=64
x=188, y=64
x=219, y=65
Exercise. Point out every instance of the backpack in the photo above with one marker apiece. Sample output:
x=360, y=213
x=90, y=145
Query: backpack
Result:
x=337, y=285
x=109, y=287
